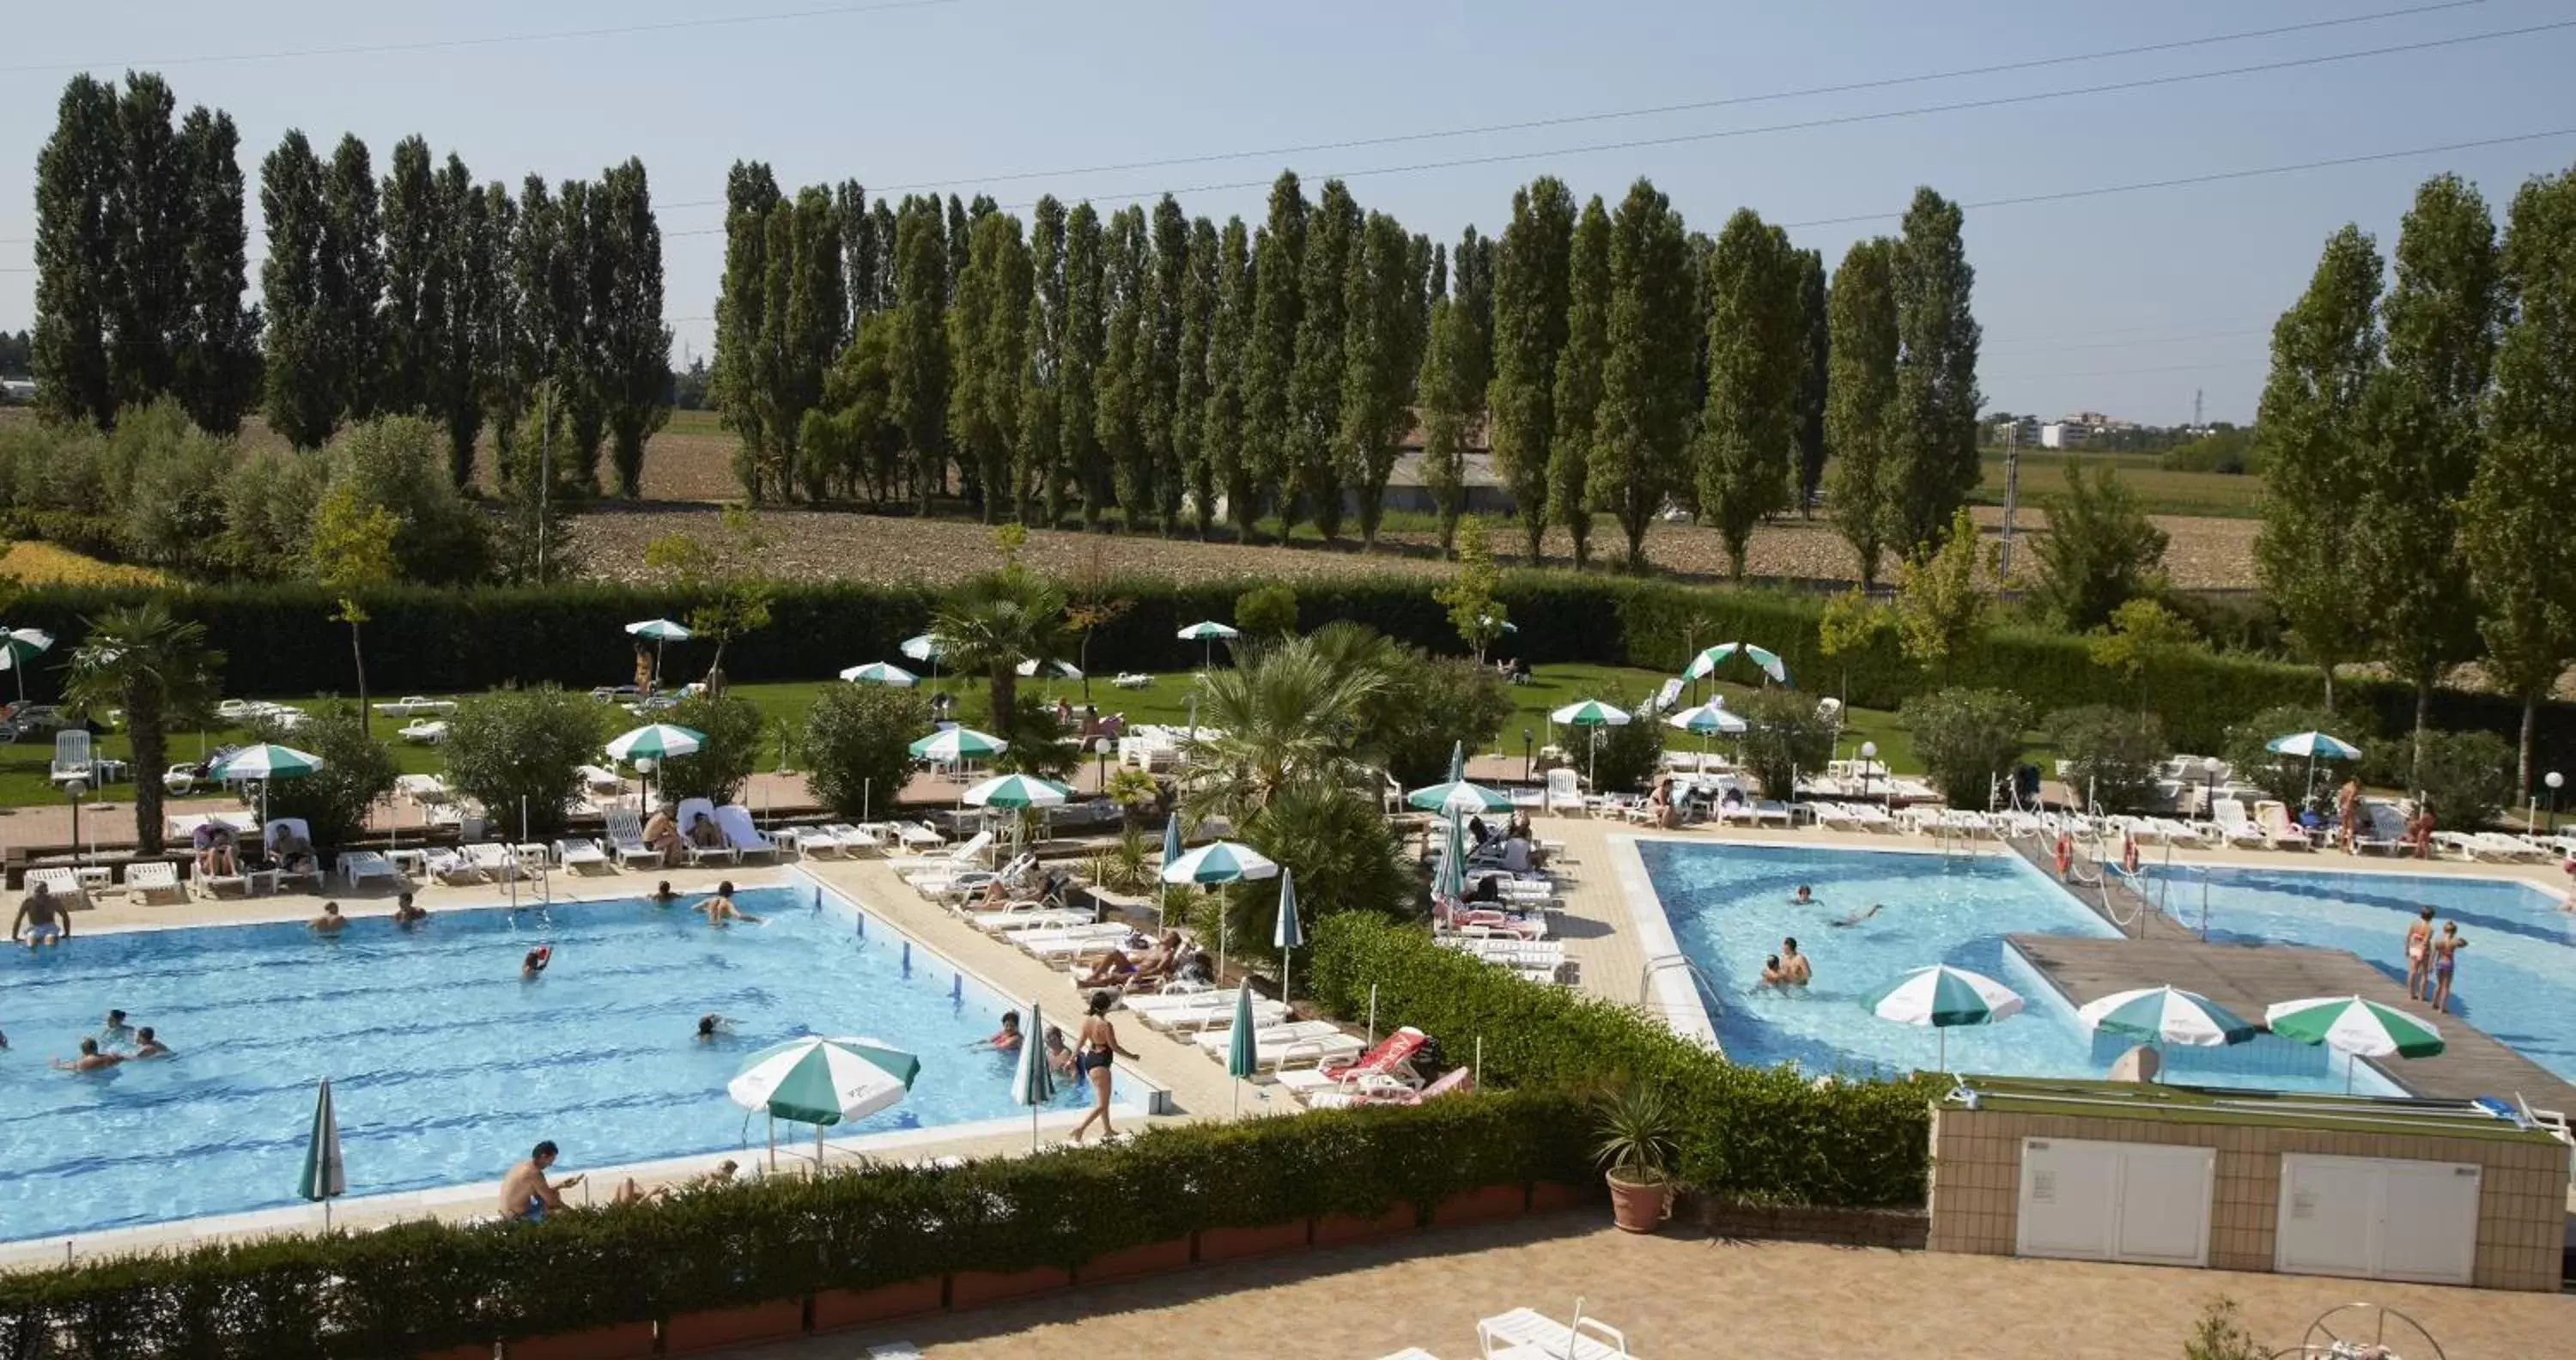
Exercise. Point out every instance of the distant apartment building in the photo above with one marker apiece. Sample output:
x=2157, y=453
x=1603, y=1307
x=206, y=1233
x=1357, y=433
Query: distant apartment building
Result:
x=2064, y=434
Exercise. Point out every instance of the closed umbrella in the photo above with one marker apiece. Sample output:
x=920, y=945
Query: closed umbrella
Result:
x=1942, y=996
x=956, y=744
x=265, y=762
x=660, y=631
x=2354, y=1027
x=1032, y=1080
x=1458, y=760
x=1207, y=632
x=19, y=647
x=2166, y=1015
x=823, y=1082
x=1242, y=1047
x=1591, y=713
x=1449, y=881
x=1705, y=664
x=881, y=673
x=1171, y=852
x=325, y=1176
x=2313, y=745
x=1289, y=932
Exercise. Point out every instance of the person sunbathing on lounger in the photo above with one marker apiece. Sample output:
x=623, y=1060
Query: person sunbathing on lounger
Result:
x=1113, y=969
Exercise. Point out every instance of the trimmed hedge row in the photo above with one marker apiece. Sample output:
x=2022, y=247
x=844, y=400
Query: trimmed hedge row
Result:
x=1761, y=1134
x=278, y=640
x=421, y=1287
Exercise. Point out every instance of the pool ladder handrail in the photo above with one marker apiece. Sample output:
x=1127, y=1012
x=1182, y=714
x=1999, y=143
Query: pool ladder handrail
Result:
x=1706, y=986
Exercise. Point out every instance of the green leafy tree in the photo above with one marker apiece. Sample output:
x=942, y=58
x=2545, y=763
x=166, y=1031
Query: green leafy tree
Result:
x=154, y=667
x=1037, y=455
x=631, y=347
x=2466, y=776
x=1533, y=282
x=1270, y=350
x=2522, y=561
x=76, y=179
x=1316, y=474
x=1471, y=286
x=857, y=743
x=1078, y=376
x=1965, y=739
x=1119, y=419
x=304, y=362
x=147, y=310
x=1431, y=705
x=2140, y=638
x=2325, y=354
x=1267, y=611
x=919, y=361
x=723, y=763
x=988, y=334
x=352, y=553
x=1932, y=424
x=1860, y=398
x=1576, y=396
x=499, y=381
x=1382, y=354
x=1815, y=315
x=414, y=318
x=218, y=349
x=1468, y=594
x=2100, y=551
x=1166, y=320
x=739, y=384
x=1748, y=429
x=993, y=622
x=467, y=254
x=352, y=275
x=1342, y=853
x=1447, y=405
x=519, y=753
x=804, y=310
x=1850, y=624
x=730, y=593
x=2115, y=756
x=859, y=248
x=1940, y=609
x=1227, y=429
x=357, y=772
x=1642, y=431
x=399, y=463
x=2247, y=753
x=1783, y=737
x=1203, y=286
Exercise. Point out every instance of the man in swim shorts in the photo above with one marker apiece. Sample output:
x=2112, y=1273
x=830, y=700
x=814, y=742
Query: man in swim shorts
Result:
x=525, y=1195
x=1794, y=967
x=41, y=919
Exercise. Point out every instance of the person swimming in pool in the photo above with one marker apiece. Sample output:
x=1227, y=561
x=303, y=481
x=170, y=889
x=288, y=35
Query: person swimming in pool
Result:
x=115, y=1033
x=535, y=964
x=1794, y=968
x=90, y=1059
x=1857, y=917
x=1008, y=1038
x=662, y=896
x=711, y=1027
x=720, y=909
x=330, y=922
x=1806, y=897
x=147, y=1046
x=408, y=914
x=1771, y=974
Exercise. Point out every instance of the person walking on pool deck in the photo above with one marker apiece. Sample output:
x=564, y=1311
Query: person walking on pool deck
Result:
x=525, y=1195
x=2419, y=955
x=41, y=919
x=2446, y=958
x=2348, y=812
x=1098, y=1051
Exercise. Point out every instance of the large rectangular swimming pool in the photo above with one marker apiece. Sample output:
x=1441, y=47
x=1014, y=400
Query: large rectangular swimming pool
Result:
x=446, y=1066
x=2516, y=980
x=1730, y=906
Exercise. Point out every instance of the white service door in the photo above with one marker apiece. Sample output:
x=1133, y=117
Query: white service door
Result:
x=2102, y=1201
x=2378, y=1218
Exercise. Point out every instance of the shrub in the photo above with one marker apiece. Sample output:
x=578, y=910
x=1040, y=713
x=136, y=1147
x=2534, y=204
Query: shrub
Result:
x=400, y=464
x=356, y=771
x=1267, y=610
x=2112, y=754
x=855, y=745
x=1429, y=706
x=2286, y=777
x=1621, y=758
x=519, y=753
x=1782, y=736
x=2467, y=776
x=1340, y=849
x=1965, y=738
x=735, y=735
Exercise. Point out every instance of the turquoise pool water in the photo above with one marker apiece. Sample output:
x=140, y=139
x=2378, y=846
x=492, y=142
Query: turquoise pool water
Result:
x=2516, y=980
x=445, y=1066
x=1730, y=906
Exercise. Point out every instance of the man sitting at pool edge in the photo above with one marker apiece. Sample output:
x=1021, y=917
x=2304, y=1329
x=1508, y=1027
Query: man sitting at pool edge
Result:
x=525, y=1195
x=41, y=919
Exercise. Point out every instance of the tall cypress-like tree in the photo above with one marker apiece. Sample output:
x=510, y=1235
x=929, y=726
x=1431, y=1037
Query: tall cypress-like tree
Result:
x=738, y=383
x=1814, y=313
x=1086, y=336
x=960, y=242
x=148, y=214
x=2325, y=356
x=76, y=180
x=1860, y=396
x=1225, y=432
x=1748, y=431
x=1316, y=473
x=415, y=310
x=881, y=229
x=1641, y=438
x=218, y=358
x=1447, y=402
x=1270, y=351
x=1119, y=418
x=2522, y=560
x=2422, y=437
x=1577, y=395
x=920, y=358
x=1533, y=269
x=632, y=346
x=858, y=250
x=1383, y=351
x=807, y=311
x=1471, y=285
x=1038, y=456
x=466, y=261
x=988, y=335
x=353, y=277
x=1193, y=385
x=500, y=383
x=1933, y=455
x=537, y=278
x=303, y=365
x=1164, y=322
x=580, y=369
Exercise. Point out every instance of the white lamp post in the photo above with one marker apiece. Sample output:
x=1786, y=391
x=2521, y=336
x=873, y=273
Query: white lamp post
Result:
x=76, y=787
x=2211, y=765
x=2555, y=781
x=643, y=793
x=1868, y=765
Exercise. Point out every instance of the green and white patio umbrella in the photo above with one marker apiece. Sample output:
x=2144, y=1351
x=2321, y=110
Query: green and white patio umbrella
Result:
x=656, y=741
x=2167, y=1015
x=881, y=673
x=1594, y=714
x=1707, y=719
x=955, y=744
x=1016, y=791
x=1942, y=996
x=265, y=762
x=1032, y=1080
x=2354, y=1027
x=661, y=631
x=2315, y=746
x=822, y=1082
x=1171, y=852
x=1242, y=1046
x=1207, y=633
x=19, y=648
x=1217, y=863
x=924, y=647
x=1705, y=664
x=1458, y=798
x=325, y=1176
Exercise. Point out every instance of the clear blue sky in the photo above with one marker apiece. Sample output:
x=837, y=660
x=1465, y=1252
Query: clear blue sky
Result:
x=2123, y=303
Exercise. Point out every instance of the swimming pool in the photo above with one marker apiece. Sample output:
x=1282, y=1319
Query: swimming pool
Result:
x=445, y=1067
x=1730, y=906
x=2516, y=979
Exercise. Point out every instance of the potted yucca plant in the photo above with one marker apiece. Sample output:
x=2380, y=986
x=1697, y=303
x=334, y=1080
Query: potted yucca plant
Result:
x=1635, y=1150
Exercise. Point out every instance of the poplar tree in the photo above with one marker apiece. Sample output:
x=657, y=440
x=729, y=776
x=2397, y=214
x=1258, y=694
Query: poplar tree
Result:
x=956, y=236
x=1229, y=368
x=1038, y=473
x=76, y=178
x=2325, y=355
x=466, y=259
x=500, y=382
x=1193, y=386
x=1471, y=286
x=301, y=400
x=580, y=372
x=1756, y=358
x=1532, y=269
x=1933, y=461
x=631, y=344
x=920, y=359
x=1316, y=472
x=1860, y=397
x=858, y=250
x=415, y=310
x=1270, y=352
x=353, y=278
x=148, y=215
x=1577, y=393
x=1119, y=417
x=1170, y=258
x=2522, y=560
x=1814, y=313
x=1448, y=403
x=1382, y=352
x=739, y=381
x=218, y=353
x=988, y=336
x=1641, y=439
x=881, y=230
x=2422, y=436
x=538, y=279
x=1086, y=335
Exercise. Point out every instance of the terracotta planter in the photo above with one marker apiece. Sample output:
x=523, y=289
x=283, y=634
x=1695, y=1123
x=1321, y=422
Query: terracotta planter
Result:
x=1333, y=1228
x=974, y=1288
x=1548, y=1197
x=625, y=1341
x=1235, y=1244
x=1639, y=1208
x=1481, y=1206
x=718, y=1328
x=835, y=1308
x=1150, y=1259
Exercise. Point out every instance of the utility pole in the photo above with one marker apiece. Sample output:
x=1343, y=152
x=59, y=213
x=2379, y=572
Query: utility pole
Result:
x=2012, y=492
x=2197, y=425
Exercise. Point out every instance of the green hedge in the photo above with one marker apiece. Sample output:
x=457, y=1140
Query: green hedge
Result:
x=427, y=1286
x=1753, y=1133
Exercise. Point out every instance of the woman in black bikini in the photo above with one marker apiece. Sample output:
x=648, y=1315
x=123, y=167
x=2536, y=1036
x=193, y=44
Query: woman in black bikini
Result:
x=1092, y=1059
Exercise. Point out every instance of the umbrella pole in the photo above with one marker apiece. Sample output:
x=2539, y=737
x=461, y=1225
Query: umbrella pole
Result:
x=818, y=1150
x=773, y=1144
x=1944, y=1032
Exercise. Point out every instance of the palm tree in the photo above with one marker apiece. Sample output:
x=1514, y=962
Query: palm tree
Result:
x=994, y=622
x=154, y=666
x=1281, y=715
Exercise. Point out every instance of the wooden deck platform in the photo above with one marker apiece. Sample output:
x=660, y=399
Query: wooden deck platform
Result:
x=2247, y=978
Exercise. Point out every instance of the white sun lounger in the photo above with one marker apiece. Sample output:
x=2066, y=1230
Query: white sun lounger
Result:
x=1587, y=1339
x=496, y=861
x=1283, y=1044
x=2227, y=815
x=1071, y=942
x=146, y=877
x=688, y=814
x=742, y=834
x=1207, y=1011
x=1276, y=1035
x=2273, y=816
x=453, y=868
x=1028, y=915
x=964, y=855
x=357, y=866
x=626, y=838
x=581, y=852
x=921, y=837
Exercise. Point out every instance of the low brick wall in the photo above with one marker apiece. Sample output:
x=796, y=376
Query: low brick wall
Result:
x=1901, y=1229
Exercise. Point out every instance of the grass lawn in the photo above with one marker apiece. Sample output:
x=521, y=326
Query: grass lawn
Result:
x=2159, y=491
